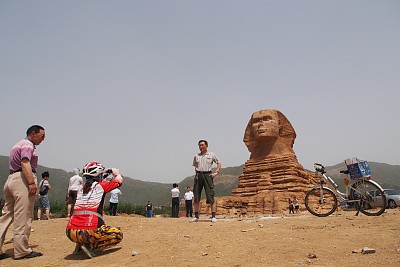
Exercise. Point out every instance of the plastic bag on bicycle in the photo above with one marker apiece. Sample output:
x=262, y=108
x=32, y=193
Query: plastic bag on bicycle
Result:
x=358, y=168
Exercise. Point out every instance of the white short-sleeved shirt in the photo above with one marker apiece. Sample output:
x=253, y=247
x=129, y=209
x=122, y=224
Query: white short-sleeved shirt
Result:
x=42, y=186
x=189, y=195
x=203, y=163
x=175, y=192
x=74, y=183
x=114, y=195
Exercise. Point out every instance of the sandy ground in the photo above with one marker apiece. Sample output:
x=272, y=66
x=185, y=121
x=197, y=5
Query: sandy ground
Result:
x=284, y=240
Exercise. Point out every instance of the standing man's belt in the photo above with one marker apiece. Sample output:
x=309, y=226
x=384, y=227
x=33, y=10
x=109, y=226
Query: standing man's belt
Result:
x=203, y=172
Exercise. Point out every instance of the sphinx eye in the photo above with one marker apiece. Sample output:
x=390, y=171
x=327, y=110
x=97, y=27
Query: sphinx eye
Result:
x=267, y=118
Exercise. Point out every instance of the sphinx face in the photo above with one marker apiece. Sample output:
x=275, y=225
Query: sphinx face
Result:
x=265, y=125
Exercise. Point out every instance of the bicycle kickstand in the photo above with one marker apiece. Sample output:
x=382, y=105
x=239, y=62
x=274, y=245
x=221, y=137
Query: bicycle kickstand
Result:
x=358, y=209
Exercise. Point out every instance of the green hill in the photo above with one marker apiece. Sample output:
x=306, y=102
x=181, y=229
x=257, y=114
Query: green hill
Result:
x=387, y=176
x=139, y=192
x=133, y=191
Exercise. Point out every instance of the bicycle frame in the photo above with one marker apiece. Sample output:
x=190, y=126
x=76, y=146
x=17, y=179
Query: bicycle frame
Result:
x=332, y=186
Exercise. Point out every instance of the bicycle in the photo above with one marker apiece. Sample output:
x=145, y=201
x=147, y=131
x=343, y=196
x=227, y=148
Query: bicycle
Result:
x=322, y=200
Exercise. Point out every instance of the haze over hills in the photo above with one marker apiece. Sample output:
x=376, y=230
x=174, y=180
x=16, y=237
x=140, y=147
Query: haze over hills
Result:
x=139, y=192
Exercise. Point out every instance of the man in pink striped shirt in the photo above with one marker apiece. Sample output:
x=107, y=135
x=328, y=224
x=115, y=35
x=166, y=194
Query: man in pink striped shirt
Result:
x=20, y=193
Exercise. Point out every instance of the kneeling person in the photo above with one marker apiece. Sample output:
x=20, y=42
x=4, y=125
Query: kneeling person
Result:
x=87, y=227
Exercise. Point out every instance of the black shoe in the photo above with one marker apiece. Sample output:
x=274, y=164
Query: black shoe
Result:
x=87, y=248
x=4, y=256
x=77, y=250
x=33, y=254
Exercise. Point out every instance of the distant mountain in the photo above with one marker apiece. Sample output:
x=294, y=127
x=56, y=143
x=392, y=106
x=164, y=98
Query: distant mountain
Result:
x=133, y=191
x=139, y=192
x=387, y=176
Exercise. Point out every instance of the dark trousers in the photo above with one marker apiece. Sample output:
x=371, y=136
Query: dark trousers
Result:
x=113, y=208
x=175, y=207
x=291, y=210
x=203, y=179
x=189, y=208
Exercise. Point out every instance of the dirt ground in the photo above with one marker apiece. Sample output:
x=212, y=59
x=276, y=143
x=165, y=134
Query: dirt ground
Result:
x=283, y=240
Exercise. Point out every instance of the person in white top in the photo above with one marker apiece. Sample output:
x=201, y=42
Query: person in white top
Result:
x=175, y=200
x=44, y=204
x=189, y=202
x=74, y=183
x=114, y=201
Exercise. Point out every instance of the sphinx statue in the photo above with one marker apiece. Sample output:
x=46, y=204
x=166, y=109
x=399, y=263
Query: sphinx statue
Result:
x=272, y=175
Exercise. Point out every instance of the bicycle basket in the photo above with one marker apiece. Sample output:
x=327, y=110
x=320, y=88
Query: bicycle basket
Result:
x=358, y=168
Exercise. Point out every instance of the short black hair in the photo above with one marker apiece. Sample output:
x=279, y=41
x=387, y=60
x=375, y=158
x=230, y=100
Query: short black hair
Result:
x=34, y=128
x=45, y=174
x=175, y=185
x=205, y=142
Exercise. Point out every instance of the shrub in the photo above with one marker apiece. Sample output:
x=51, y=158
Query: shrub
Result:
x=58, y=209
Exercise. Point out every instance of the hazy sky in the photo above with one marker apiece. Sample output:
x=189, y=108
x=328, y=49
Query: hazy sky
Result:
x=135, y=84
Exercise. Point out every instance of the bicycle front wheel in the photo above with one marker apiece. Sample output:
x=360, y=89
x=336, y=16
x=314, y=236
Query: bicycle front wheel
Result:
x=370, y=199
x=321, y=202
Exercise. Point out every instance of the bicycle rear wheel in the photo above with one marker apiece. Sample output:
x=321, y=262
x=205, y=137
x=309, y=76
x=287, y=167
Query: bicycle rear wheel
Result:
x=371, y=199
x=321, y=202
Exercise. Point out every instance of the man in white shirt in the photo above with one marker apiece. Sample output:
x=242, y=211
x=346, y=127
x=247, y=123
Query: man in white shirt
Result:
x=189, y=202
x=114, y=201
x=74, y=183
x=175, y=200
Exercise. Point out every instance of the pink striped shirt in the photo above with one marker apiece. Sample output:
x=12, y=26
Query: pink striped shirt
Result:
x=23, y=149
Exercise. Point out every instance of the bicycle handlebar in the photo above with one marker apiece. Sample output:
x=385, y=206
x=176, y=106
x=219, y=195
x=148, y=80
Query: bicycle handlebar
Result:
x=319, y=167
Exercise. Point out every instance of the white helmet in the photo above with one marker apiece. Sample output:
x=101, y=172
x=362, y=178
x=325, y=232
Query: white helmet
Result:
x=93, y=169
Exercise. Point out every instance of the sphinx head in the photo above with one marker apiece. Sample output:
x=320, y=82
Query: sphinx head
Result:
x=269, y=133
